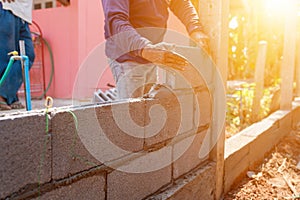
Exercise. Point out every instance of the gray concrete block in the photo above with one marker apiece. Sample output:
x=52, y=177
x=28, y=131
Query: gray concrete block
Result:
x=105, y=133
x=195, y=75
x=199, y=184
x=200, y=60
x=69, y=154
x=122, y=185
x=165, y=120
x=186, y=154
x=25, y=153
x=187, y=104
x=177, y=81
x=91, y=188
x=204, y=100
x=123, y=124
x=203, y=186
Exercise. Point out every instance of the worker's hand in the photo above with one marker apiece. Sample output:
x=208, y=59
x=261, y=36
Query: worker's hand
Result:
x=202, y=40
x=159, y=55
x=9, y=1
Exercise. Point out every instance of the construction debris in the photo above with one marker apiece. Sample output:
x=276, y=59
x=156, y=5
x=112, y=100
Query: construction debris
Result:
x=107, y=96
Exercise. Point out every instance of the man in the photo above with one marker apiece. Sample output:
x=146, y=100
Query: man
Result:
x=134, y=30
x=14, y=18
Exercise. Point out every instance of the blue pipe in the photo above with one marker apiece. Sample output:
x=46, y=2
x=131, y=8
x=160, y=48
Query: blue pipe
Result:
x=27, y=82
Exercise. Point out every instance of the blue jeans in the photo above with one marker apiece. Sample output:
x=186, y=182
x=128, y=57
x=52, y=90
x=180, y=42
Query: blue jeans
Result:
x=13, y=29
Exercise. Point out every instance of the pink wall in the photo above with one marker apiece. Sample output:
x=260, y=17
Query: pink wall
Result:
x=59, y=27
x=74, y=32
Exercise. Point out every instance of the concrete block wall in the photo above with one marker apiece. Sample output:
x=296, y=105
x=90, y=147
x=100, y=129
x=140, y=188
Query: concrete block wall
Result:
x=198, y=184
x=64, y=164
x=25, y=154
x=247, y=149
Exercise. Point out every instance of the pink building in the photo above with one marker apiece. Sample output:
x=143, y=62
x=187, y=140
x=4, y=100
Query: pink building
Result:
x=73, y=32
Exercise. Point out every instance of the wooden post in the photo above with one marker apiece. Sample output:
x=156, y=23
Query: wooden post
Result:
x=214, y=16
x=288, y=62
x=259, y=79
x=298, y=66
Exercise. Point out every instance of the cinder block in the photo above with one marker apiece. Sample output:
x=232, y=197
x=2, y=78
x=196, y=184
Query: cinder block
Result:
x=256, y=129
x=198, y=185
x=122, y=185
x=285, y=123
x=91, y=188
x=203, y=186
x=235, y=166
x=236, y=143
x=187, y=105
x=123, y=124
x=164, y=122
x=262, y=145
x=103, y=135
x=176, y=80
x=186, y=154
x=247, y=149
x=69, y=154
x=276, y=116
x=205, y=103
x=194, y=75
x=296, y=119
x=25, y=153
x=199, y=60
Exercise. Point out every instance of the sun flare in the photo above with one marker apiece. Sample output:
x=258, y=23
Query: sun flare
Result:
x=277, y=7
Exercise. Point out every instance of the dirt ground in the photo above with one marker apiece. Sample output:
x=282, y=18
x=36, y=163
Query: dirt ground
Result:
x=277, y=178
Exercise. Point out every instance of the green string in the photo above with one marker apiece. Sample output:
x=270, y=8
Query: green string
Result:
x=43, y=153
x=47, y=122
x=73, y=154
x=75, y=119
x=72, y=148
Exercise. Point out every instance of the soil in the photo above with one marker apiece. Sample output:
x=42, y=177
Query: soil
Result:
x=277, y=178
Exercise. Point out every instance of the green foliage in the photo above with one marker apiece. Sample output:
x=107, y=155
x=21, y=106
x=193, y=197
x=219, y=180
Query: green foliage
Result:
x=246, y=29
x=242, y=48
x=239, y=107
x=245, y=32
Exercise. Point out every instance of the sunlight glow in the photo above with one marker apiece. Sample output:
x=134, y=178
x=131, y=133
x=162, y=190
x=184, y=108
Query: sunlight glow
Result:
x=233, y=48
x=233, y=24
x=276, y=7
